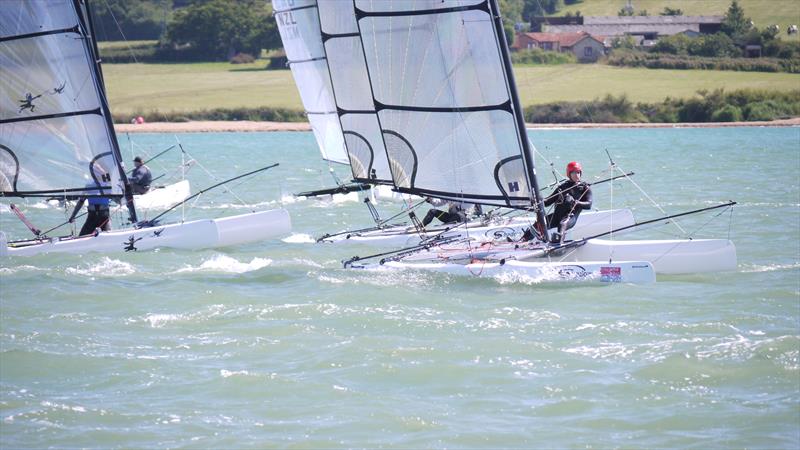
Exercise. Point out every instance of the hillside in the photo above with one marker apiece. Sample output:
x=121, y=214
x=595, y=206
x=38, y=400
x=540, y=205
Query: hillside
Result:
x=762, y=12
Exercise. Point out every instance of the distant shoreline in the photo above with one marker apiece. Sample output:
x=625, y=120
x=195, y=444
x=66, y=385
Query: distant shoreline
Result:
x=249, y=126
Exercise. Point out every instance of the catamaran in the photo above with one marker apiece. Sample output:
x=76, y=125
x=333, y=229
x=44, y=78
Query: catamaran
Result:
x=57, y=139
x=329, y=66
x=443, y=103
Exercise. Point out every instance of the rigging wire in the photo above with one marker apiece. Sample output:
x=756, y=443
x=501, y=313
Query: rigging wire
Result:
x=164, y=116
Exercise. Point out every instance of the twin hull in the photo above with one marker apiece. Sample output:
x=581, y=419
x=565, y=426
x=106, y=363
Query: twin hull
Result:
x=679, y=256
x=638, y=272
x=195, y=234
x=589, y=223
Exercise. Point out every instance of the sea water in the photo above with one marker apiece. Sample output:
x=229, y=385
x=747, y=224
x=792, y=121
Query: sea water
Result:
x=274, y=344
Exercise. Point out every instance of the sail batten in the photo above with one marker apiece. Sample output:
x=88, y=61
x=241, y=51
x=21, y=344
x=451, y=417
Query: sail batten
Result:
x=96, y=111
x=505, y=106
x=39, y=34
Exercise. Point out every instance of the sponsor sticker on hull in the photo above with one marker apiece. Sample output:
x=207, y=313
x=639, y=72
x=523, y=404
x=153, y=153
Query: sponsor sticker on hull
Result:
x=612, y=274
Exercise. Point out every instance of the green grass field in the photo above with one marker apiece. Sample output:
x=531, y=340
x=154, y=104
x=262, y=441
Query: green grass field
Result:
x=762, y=12
x=192, y=87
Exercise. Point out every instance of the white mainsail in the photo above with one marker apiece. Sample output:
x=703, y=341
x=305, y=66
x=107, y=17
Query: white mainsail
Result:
x=322, y=38
x=444, y=100
x=57, y=139
x=298, y=24
x=350, y=79
x=56, y=136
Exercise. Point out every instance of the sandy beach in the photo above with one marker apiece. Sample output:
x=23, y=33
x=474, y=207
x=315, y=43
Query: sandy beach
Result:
x=249, y=126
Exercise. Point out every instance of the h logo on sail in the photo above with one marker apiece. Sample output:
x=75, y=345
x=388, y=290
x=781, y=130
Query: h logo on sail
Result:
x=513, y=186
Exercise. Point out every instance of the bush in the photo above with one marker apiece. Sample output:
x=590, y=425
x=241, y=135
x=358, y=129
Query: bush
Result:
x=256, y=114
x=714, y=45
x=782, y=49
x=242, y=58
x=278, y=63
x=728, y=113
x=634, y=58
x=674, y=45
x=128, y=51
x=714, y=106
x=539, y=56
x=760, y=111
x=610, y=109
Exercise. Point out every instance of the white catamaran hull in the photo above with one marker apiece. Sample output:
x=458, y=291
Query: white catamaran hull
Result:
x=638, y=272
x=589, y=223
x=163, y=197
x=687, y=256
x=191, y=235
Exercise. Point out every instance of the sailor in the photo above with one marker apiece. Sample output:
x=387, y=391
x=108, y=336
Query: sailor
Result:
x=141, y=177
x=570, y=197
x=455, y=212
x=98, y=211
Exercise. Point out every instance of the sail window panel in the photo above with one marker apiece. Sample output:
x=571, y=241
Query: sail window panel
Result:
x=337, y=17
x=46, y=75
x=299, y=30
x=455, y=154
x=442, y=60
x=413, y=5
x=329, y=137
x=59, y=155
x=315, y=87
x=365, y=146
x=21, y=17
x=349, y=74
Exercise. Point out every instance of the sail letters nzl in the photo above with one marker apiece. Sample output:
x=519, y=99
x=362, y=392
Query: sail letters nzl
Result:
x=288, y=24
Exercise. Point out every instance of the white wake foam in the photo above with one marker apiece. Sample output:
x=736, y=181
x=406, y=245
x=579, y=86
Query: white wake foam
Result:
x=106, y=267
x=299, y=238
x=226, y=264
x=769, y=267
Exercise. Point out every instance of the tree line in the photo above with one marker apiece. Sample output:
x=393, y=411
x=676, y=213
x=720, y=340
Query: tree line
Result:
x=219, y=29
x=214, y=30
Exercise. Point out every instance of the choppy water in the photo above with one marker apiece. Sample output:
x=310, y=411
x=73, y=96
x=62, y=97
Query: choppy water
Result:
x=274, y=345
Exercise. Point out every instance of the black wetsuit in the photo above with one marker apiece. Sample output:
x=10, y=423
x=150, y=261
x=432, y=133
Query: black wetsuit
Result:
x=452, y=215
x=570, y=198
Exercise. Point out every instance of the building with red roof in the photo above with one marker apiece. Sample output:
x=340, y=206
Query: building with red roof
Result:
x=584, y=46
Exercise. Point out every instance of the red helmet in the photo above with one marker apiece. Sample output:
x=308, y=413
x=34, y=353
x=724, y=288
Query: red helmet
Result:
x=574, y=166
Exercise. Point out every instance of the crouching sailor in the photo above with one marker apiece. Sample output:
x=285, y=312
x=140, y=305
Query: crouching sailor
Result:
x=98, y=210
x=457, y=211
x=570, y=198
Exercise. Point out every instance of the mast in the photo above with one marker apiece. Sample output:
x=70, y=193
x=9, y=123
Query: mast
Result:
x=95, y=53
x=536, y=201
